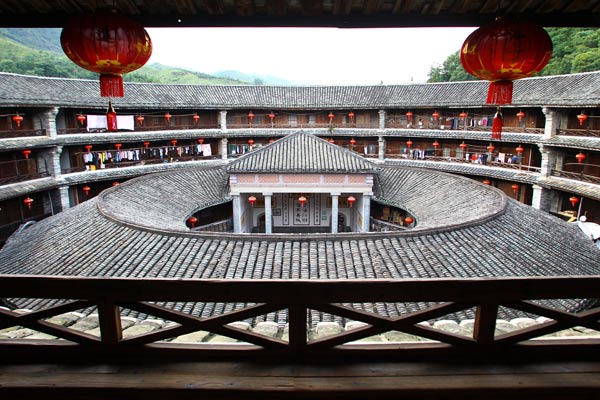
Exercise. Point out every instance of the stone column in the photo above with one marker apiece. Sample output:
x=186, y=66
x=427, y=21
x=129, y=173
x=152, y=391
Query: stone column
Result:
x=55, y=168
x=223, y=120
x=334, y=212
x=545, y=199
x=381, y=143
x=223, y=148
x=552, y=123
x=49, y=122
x=366, y=213
x=548, y=160
x=560, y=161
x=237, y=213
x=268, y=213
x=382, y=119
x=63, y=198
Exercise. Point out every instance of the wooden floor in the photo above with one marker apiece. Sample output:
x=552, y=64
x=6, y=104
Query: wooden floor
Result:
x=252, y=380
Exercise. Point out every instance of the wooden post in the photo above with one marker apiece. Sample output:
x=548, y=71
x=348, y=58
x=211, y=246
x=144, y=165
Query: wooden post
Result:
x=297, y=329
x=109, y=317
x=485, y=323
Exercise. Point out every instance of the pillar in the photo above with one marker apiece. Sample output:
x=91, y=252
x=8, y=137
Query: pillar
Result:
x=382, y=119
x=545, y=199
x=55, y=168
x=268, y=213
x=366, y=213
x=381, y=143
x=551, y=124
x=63, y=199
x=223, y=148
x=334, y=212
x=49, y=122
x=548, y=160
x=223, y=120
x=237, y=213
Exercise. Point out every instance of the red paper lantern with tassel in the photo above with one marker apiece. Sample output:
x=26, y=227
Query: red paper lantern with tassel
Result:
x=574, y=200
x=18, y=119
x=109, y=44
x=504, y=51
x=581, y=117
x=351, y=200
x=520, y=115
x=193, y=221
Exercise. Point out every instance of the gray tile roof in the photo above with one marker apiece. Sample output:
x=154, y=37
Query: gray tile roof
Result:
x=563, y=91
x=301, y=152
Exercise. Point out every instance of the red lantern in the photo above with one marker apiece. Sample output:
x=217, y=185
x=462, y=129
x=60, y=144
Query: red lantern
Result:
x=28, y=201
x=330, y=116
x=409, y=143
x=108, y=44
x=435, y=115
x=140, y=119
x=463, y=115
x=115, y=183
x=331, y=141
x=463, y=146
x=201, y=141
x=111, y=118
x=351, y=200
x=26, y=153
x=271, y=116
x=252, y=200
x=581, y=117
x=88, y=147
x=174, y=142
x=352, y=142
x=574, y=200
x=515, y=188
x=18, y=119
x=250, y=142
x=490, y=148
x=520, y=115
x=168, y=117
x=146, y=144
x=193, y=221
x=271, y=140
x=409, y=116
x=487, y=182
x=196, y=118
x=436, y=144
x=81, y=118
x=118, y=146
x=580, y=157
x=86, y=190
x=251, y=116
x=503, y=51
x=302, y=200
x=351, y=115
x=408, y=220
x=519, y=150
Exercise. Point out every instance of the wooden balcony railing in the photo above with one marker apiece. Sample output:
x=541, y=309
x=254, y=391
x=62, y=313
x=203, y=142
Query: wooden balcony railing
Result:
x=256, y=298
x=578, y=132
x=22, y=133
x=579, y=176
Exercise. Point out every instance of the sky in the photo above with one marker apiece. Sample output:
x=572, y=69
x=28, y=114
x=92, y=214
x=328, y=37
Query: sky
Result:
x=310, y=56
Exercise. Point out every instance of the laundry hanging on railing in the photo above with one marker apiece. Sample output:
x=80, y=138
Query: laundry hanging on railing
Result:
x=124, y=122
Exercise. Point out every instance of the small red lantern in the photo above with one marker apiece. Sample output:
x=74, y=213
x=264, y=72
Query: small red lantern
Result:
x=580, y=157
x=581, y=117
x=519, y=150
x=352, y=142
x=409, y=116
x=252, y=200
x=487, y=182
x=331, y=141
x=140, y=119
x=28, y=201
x=146, y=144
x=503, y=51
x=115, y=183
x=490, y=148
x=251, y=116
x=118, y=146
x=351, y=200
x=86, y=190
x=250, y=142
x=409, y=143
x=88, y=147
x=435, y=115
x=520, y=115
x=174, y=142
x=515, y=188
x=302, y=200
x=271, y=116
x=196, y=118
x=271, y=140
x=108, y=44
x=193, y=221
x=408, y=220
x=168, y=117
x=26, y=153
x=436, y=144
x=18, y=119
x=351, y=115
x=201, y=141
x=463, y=146
x=81, y=118
x=574, y=200
x=330, y=115
x=463, y=115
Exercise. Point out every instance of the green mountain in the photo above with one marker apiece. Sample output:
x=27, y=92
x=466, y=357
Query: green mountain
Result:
x=575, y=50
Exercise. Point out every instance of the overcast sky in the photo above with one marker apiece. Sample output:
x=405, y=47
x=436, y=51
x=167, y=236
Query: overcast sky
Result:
x=320, y=56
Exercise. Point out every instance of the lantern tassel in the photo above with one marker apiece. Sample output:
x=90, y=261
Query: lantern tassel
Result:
x=500, y=92
x=497, y=125
x=111, y=85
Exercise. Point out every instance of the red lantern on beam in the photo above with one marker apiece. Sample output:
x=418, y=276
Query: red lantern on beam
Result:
x=140, y=119
x=515, y=188
x=435, y=115
x=581, y=117
x=26, y=153
x=146, y=144
x=409, y=116
x=193, y=221
x=115, y=183
x=86, y=190
x=574, y=200
x=519, y=150
x=463, y=146
x=409, y=143
x=580, y=157
x=196, y=118
x=108, y=44
x=408, y=220
x=118, y=146
x=251, y=116
x=487, y=182
x=330, y=116
x=28, y=201
x=81, y=118
x=17, y=119
x=331, y=140
x=302, y=200
x=168, y=117
x=252, y=200
x=88, y=147
x=436, y=144
x=351, y=200
x=352, y=142
x=520, y=115
x=250, y=142
x=490, y=148
x=201, y=141
x=271, y=116
x=174, y=142
x=463, y=115
x=351, y=116
x=504, y=51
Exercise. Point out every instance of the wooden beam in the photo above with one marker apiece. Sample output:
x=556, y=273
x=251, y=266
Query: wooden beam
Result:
x=244, y=8
x=372, y=7
x=342, y=7
x=277, y=8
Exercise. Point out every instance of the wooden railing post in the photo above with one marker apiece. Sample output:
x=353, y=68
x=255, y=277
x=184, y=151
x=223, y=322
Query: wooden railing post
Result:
x=109, y=318
x=485, y=323
x=297, y=329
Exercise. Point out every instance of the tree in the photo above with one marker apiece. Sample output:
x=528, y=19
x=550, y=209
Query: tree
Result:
x=451, y=70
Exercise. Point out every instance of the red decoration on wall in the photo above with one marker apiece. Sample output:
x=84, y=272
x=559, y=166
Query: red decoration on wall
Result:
x=108, y=44
x=581, y=117
x=81, y=118
x=111, y=118
x=351, y=116
x=28, y=201
x=574, y=200
x=351, y=200
x=271, y=116
x=504, y=51
x=18, y=119
x=26, y=153
x=436, y=144
x=435, y=115
x=174, y=142
x=352, y=142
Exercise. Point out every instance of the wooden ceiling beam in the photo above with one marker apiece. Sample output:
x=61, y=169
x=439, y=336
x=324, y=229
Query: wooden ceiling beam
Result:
x=215, y=7
x=278, y=8
x=372, y=7
x=244, y=8
x=342, y=7
x=186, y=7
x=312, y=7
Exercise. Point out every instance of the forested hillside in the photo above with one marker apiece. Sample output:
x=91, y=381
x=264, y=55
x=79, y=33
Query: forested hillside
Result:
x=575, y=50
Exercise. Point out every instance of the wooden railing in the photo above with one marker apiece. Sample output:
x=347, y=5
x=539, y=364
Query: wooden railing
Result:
x=256, y=298
x=22, y=133
x=576, y=176
x=578, y=132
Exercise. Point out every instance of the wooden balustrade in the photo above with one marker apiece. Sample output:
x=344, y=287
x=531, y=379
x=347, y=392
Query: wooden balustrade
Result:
x=256, y=298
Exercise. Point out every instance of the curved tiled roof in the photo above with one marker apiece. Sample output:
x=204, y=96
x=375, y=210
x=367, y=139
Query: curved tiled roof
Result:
x=563, y=90
x=301, y=152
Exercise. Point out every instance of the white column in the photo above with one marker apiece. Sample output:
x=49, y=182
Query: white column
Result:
x=381, y=142
x=268, y=213
x=223, y=120
x=237, y=213
x=366, y=213
x=334, y=212
x=49, y=122
x=223, y=148
x=55, y=153
x=548, y=160
x=551, y=124
x=382, y=119
x=65, y=202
